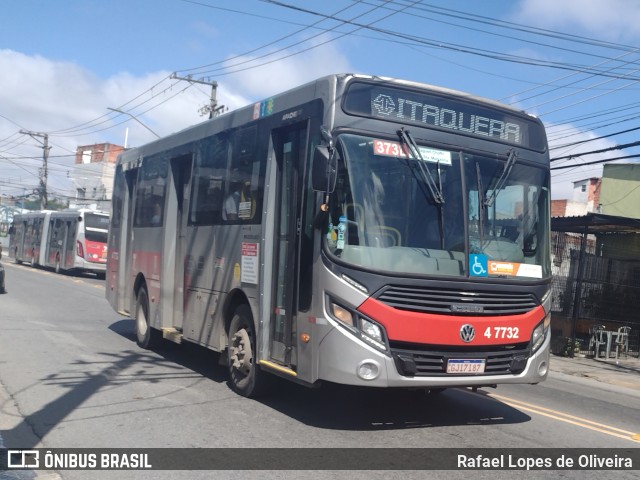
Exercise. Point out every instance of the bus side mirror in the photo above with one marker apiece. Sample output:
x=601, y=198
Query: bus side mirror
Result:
x=324, y=169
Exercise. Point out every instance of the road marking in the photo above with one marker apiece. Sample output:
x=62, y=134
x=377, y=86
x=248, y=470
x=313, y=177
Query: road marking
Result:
x=567, y=418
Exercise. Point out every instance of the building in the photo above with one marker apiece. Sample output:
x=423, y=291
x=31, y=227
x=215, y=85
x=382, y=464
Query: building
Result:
x=586, y=199
x=92, y=175
x=621, y=190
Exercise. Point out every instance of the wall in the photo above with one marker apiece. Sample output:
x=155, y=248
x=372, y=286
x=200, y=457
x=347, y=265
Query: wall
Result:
x=620, y=193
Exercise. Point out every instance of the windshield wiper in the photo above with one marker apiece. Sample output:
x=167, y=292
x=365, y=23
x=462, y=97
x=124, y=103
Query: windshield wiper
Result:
x=511, y=161
x=481, y=205
x=434, y=188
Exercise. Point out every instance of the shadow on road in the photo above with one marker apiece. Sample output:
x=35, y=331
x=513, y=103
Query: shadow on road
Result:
x=344, y=407
x=335, y=407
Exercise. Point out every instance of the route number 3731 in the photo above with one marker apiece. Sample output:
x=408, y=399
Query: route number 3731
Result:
x=502, y=332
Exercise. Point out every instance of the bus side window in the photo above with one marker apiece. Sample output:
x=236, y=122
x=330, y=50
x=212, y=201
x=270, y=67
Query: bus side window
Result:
x=150, y=192
x=245, y=180
x=208, y=181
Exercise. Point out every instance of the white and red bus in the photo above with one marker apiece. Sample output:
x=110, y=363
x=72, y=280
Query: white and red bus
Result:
x=68, y=240
x=356, y=229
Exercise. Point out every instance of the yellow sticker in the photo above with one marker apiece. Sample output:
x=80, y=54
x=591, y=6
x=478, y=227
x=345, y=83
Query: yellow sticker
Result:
x=236, y=272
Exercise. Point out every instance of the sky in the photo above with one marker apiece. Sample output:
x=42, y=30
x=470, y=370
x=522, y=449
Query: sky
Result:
x=64, y=65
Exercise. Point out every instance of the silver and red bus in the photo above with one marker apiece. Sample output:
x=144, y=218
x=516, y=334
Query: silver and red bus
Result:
x=359, y=230
x=67, y=240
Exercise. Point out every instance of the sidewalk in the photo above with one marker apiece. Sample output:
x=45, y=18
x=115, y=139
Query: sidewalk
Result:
x=624, y=372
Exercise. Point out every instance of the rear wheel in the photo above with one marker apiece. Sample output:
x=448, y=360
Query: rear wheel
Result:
x=58, y=269
x=246, y=377
x=146, y=336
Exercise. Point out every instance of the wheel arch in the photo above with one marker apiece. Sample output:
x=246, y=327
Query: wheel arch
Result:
x=235, y=298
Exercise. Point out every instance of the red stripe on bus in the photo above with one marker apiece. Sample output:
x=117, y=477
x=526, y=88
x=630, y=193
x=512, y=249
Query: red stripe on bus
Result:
x=414, y=327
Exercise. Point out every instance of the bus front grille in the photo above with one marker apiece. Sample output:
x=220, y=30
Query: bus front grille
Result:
x=446, y=301
x=431, y=360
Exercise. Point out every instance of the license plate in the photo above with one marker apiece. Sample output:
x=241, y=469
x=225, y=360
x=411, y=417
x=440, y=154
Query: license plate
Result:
x=466, y=365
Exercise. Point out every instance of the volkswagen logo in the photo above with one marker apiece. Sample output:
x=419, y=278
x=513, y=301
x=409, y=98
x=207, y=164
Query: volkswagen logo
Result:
x=467, y=333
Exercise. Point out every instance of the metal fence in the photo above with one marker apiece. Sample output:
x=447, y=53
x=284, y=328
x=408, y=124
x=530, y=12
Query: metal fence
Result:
x=592, y=288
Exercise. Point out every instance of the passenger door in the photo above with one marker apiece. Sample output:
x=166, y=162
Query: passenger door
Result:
x=290, y=151
x=175, y=233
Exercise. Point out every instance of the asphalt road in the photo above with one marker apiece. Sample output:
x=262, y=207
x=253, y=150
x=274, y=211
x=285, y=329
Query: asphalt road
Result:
x=72, y=376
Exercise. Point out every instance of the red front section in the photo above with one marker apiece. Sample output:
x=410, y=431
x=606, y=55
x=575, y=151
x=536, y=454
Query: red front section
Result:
x=434, y=329
x=96, y=252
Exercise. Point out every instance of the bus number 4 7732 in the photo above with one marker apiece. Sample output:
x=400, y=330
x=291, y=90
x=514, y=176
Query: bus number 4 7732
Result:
x=502, y=332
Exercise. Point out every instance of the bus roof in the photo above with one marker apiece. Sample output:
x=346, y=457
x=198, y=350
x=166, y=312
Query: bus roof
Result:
x=319, y=88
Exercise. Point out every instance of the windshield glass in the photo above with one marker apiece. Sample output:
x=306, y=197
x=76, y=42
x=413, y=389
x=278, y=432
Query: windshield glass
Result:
x=396, y=213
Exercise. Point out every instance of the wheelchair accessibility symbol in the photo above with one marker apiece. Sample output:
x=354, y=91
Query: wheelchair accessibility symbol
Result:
x=478, y=265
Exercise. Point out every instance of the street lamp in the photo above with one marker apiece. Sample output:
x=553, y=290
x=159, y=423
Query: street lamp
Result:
x=135, y=118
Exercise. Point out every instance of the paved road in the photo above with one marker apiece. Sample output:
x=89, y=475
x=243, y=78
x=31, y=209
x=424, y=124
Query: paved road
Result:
x=72, y=376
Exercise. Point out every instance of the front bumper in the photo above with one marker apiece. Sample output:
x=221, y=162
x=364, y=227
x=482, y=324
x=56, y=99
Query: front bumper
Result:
x=342, y=355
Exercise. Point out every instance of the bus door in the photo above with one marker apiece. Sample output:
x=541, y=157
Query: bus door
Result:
x=175, y=233
x=124, y=242
x=21, y=233
x=54, y=242
x=290, y=151
x=71, y=233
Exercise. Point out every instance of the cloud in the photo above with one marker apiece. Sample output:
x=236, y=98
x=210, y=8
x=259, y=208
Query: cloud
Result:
x=71, y=103
x=286, y=73
x=616, y=20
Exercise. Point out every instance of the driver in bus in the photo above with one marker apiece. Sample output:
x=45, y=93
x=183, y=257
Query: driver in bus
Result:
x=232, y=202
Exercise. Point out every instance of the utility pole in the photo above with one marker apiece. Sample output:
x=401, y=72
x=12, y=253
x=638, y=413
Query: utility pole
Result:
x=213, y=109
x=44, y=171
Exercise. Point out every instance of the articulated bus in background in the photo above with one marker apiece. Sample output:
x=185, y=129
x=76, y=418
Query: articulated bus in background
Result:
x=26, y=231
x=68, y=240
x=356, y=229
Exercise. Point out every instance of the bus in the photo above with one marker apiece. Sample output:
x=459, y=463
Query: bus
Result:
x=67, y=240
x=356, y=229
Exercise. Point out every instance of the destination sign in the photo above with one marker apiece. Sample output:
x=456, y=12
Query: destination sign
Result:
x=443, y=112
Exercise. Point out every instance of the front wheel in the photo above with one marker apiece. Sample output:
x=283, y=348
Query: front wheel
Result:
x=146, y=337
x=246, y=378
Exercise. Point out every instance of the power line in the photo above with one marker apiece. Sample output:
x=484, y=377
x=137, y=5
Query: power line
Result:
x=617, y=147
x=596, y=162
x=594, y=139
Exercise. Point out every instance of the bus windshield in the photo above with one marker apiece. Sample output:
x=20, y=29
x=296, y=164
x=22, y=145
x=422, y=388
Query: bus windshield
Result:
x=438, y=212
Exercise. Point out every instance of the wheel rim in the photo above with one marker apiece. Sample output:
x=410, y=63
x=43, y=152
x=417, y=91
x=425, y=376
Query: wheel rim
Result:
x=141, y=322
x=241, y=353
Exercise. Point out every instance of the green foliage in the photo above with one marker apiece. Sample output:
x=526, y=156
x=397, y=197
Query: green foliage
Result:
x=567, y=348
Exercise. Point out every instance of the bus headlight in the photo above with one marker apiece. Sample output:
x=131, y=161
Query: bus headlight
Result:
x=341, y=314
x=354, y=322
x=372, y=333
x=539, y=333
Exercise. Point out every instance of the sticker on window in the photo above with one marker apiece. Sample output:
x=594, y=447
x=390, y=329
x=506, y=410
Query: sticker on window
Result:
x=514, y=269
x=395, y=149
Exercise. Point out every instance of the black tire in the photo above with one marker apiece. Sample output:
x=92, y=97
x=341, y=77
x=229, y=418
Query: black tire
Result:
x=146, y=337
x=58, y=269
x=246, y=377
